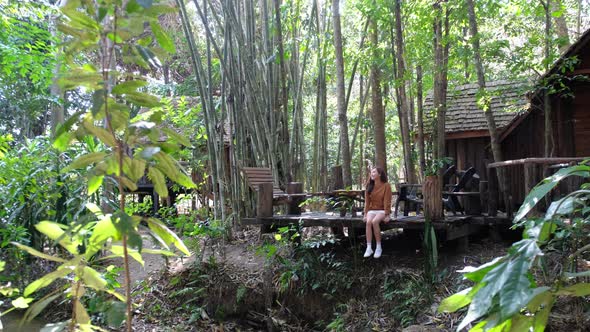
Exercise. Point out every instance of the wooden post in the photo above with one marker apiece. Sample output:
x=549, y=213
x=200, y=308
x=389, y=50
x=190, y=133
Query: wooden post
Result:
x=264, y=204
x=483, y=194
x=530, y=177
x=295, y=188
x=431, y=190
x=337, y=181
x=492, y=192
x=530, y=181
x=156, y=201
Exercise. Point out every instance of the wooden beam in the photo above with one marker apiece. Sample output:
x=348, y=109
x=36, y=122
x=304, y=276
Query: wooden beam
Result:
x=545, y=161
x=467, y=134
x=585, y=71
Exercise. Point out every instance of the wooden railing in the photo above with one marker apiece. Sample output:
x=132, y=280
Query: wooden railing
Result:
x=533, y=170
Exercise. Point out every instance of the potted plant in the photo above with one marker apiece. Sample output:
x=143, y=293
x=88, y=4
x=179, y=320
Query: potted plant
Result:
x=345, y=204
x=315, y=203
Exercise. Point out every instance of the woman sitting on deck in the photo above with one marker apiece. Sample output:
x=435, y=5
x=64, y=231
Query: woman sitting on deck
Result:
x=377, y=208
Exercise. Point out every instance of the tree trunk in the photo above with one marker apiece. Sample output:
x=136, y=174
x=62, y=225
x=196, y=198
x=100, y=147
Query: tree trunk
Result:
x=340, y=96
x=439, y=98
x=432, y=192
x=419, y=101
x=403, y=99
x=378, y=113
x=288, y=168
x=494, y=137
x=560, y=24
x=548, y=135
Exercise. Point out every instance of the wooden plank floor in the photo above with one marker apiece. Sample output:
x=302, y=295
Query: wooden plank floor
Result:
x=309, y=219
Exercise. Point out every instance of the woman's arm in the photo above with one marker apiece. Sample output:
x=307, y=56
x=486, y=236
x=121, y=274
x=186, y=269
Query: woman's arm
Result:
x=366, y=209
x=387, y=200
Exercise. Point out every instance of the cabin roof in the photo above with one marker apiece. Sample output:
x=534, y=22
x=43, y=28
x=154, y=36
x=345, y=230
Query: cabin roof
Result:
x=463, y=114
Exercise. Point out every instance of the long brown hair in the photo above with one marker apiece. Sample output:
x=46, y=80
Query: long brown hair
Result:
x=382, y=177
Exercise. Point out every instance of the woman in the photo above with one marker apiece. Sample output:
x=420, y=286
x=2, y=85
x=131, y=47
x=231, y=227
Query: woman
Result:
x=377, y=208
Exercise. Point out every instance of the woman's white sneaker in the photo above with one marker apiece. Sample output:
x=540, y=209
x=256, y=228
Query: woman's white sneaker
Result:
x=378, y=252
x=368, y=252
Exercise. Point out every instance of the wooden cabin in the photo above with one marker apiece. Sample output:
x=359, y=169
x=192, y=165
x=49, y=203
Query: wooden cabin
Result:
x=467, y=135
x=518, y=111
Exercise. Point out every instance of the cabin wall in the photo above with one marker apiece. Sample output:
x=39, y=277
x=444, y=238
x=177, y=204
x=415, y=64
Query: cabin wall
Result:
x=581, y=123
x=469, y=152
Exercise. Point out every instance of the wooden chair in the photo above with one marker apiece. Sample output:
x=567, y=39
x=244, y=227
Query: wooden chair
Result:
x=258, y=175
x=410, y=194
x=450, y=201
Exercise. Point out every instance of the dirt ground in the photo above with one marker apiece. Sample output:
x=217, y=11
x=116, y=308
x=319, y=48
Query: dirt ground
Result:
x=241, y=265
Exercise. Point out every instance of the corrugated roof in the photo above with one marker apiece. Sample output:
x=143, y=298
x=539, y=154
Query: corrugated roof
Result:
x=463, y=114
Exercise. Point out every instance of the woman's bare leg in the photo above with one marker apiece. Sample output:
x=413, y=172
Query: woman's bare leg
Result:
x=369, y=228
x=376, y=228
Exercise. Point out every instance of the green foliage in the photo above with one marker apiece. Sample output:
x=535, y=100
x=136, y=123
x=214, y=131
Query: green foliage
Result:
x=109, y=120
x=433, y=166
x=507, y=293
x=26, y=62
x=409, y=293
x=34, y=190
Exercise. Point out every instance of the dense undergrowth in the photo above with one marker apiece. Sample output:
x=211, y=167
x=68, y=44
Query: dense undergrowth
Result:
x=320, y=284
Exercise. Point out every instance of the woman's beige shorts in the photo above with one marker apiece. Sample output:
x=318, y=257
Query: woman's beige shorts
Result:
x=375, y=212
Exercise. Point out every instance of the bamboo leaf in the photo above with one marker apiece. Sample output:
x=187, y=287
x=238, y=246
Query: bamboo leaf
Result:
x=115, y=294
x=102, y=231
x=148, y=56
x=137, y=170
x=128, y=86
x=159, y=181
x=162, y=38
x=102, y=134
x=128, y=183
x=581, y=289
x=177, y=137
x=143, y=99
x=36, y=308
x=47, y=279
x=94, y=209
x=158, y=252
x=38, y=253
x=118, y=251
x=21, y=302
x=545, y=186
x=81, y=313
x=167, y=235
x=53, y=231
x=80, y=20
x=94, y=183
x=85, y=160
x=458, y=300
x=167, y=165
x=93, y=279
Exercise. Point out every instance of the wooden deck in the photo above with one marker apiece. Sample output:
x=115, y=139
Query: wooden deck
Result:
x=454, y=227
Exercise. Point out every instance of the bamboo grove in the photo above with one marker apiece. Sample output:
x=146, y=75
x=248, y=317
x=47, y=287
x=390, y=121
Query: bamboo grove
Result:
x=284, y=83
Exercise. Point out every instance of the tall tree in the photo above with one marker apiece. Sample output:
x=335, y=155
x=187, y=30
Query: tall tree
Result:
x=419, y=101
x=558, y=13
x=441, y=49
x=402, y=95
x=548, y=135
x=340, y=96
x=487, y=108
x=378, y=112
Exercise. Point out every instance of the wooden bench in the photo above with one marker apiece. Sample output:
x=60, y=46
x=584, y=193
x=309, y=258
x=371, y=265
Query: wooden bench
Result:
x=258, y=175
